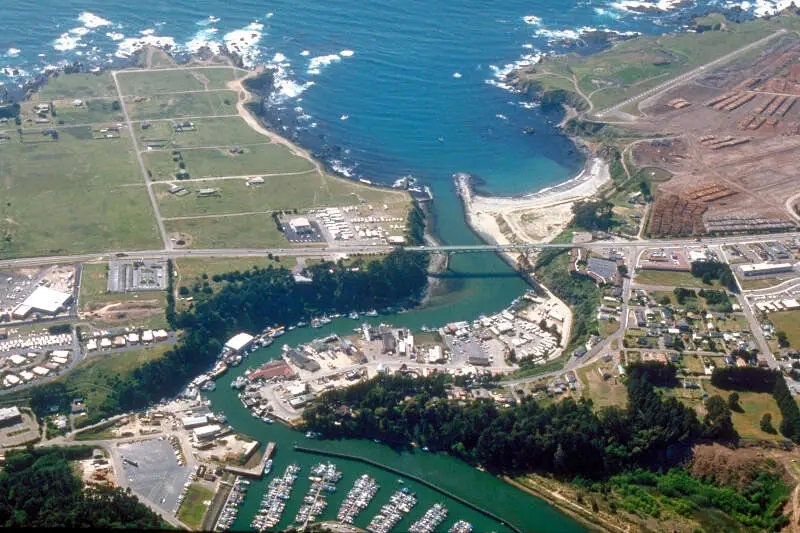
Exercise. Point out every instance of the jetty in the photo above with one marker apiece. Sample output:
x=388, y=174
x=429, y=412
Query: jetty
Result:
x=418, y=479
x=255, y=472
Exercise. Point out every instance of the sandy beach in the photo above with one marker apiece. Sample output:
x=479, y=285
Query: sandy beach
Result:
x=538, y=217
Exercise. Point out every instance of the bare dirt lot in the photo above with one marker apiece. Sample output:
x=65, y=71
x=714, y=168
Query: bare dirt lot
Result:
x=731, y=140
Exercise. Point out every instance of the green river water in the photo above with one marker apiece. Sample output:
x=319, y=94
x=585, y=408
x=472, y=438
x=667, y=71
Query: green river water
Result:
x=477, y=284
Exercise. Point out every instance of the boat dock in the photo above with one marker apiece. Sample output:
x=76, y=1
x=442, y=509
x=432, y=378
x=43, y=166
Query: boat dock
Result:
x=418, y=479
x=256, y=472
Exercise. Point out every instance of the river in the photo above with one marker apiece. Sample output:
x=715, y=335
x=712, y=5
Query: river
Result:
x=480, y=488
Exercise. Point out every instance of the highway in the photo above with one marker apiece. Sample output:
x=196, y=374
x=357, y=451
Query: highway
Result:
x=332, y=251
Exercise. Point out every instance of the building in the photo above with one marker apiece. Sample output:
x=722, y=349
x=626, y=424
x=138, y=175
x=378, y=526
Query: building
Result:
x=10, y=416
x=602, y=271
x=302, y=361
x=301, y=226
x=207, y=192
x=763, y=269
x=190, y=422
x=273, y=369
x=43, y=300
x=475, y=354
x=255, y=181
x=239, y=342
x=207, y=432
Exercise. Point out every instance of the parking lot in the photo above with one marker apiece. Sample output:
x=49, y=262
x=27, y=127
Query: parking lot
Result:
x=158, y=477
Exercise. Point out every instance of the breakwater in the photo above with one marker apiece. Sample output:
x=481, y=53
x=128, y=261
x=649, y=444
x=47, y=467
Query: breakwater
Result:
x=418, y=479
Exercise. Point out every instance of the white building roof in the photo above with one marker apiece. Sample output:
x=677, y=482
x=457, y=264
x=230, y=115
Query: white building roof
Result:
x=300, y=222
x=17, y=359
x=40, y=370
x=207, y=431
x=194, y=421
x=47, y=299
x=239, y=341
x=9, y=412
x=766, y=267
x=10, y=379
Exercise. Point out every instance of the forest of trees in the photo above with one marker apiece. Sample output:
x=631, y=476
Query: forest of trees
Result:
x=714, y=270
x=38, y=489
x=251, y=301
x=567, y=438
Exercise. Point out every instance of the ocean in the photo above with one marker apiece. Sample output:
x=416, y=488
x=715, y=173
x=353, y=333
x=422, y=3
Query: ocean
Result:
x=378, y=89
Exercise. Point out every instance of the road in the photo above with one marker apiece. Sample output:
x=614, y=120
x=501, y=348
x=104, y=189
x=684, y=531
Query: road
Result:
x=159, y=222
x=686, y=76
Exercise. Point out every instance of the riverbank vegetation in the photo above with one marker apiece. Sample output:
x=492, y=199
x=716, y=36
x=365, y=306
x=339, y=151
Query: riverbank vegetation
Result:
x=637, y=459
x=39, y=489
x=252, y=300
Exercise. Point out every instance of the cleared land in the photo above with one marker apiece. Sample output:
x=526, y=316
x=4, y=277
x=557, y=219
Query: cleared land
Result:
x=191, y=512
x=276, y=193
x=78, y=86
x=172, y=81
x=74, y=194
x=240, y=231
x=258, y=159
x=104, y=309
x=672, y=279
x=224, y=132
x=789, y=323
x=178, y=105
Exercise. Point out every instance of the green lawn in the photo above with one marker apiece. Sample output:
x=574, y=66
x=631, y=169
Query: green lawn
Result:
x=245, y=231
x=170, y=81
x=754, y=406
x=183, y=105
x=194, y=506
x=672, y=279
x=789, y=323
x=218, y=162
x=71, y=86
x=72, y=195
x=603, y=392
x=225, y=132
x=98, y=111
x=277, y=192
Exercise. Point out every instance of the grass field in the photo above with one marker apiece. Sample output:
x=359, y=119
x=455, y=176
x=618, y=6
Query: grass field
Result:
x=172, y=81
x=603, y=392
x=672, y=279
x=225, y=132
x=631, y=67
x=276, y=193
x=70, y=86
x=183, y=105
x=260, y=159
x=245, y=231
x=789, y=323
x=94, y=378
x=194, y=506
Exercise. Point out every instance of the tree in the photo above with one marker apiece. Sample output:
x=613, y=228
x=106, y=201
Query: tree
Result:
x=766, y=424
x=593, y=215
x=664, y=301
x=783, y=339
x=623, y=270
x=115, y=106
x=733, y=402
x=718, y=424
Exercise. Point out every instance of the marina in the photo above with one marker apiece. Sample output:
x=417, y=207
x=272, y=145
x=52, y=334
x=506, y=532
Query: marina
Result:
x=400, y=504
x=462, y=526
x=279, y=491
x=358, y=498
x=230, y=510
x=430, y=520
x=324, y=477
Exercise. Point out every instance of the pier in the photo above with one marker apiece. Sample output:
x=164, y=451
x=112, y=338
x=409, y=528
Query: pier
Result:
x=428, y=484
x=256, y=472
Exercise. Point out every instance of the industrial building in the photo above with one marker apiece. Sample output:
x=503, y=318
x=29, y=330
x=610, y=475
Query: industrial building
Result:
x=301, y=226
x=10, y=416
x=191, y=422
x=207, y=432
x=239, y=342
x=762, y=269
x=129, y=276
x=43, y=300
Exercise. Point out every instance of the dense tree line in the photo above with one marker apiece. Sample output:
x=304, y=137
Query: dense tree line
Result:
x=659, y=374
x=259, y=298
x=711, y=270
x=566, y=438
x=38, y=489
x=756, y=379
x=593, y=215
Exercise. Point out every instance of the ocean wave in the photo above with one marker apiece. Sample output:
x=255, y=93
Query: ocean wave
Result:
x=66, y=41
x=208, y=21
x=651, y=6
x=340, y=168
x=13, y=72
x=205, y=39
x=500, y=74
x=130, y=46
x=346, y=53
x=284, y=87
x=532, y=20
x=115, y=36
x=90, y=20
x=13, y=52
x=764, y=8
x=456, y=75
x=305, y=53
x=556, y=36
x=244, y=43
x=316, y=63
